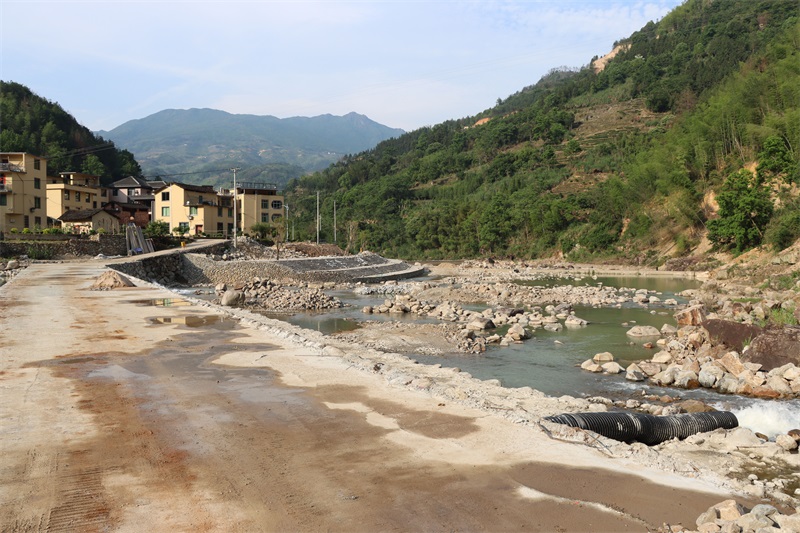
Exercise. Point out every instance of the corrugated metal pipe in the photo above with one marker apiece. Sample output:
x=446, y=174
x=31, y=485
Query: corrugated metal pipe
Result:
x=648, y=429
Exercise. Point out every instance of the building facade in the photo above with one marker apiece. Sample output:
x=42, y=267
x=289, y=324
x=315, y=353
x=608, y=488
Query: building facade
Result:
x=73, y=191
x=259, y=202
x=23, y=191
x=132, y=190
x=200, y=209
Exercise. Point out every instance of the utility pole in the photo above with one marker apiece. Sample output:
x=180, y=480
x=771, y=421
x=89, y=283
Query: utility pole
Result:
x=317, y=217
x=235, y=212
x=287, y=221
x=334, y=222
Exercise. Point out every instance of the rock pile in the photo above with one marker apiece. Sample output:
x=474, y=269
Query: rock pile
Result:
x=729, y=516
x=688, y=359
x=268, y=295
x=503, y=326
x=10, y=269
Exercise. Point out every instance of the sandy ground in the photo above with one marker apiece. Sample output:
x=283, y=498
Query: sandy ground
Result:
x=123, y=411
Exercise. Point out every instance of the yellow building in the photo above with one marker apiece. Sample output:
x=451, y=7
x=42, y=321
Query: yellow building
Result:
x=196, y=208
x=73, y=191
x=201, y=209
x=23, y=194
x=258, y=202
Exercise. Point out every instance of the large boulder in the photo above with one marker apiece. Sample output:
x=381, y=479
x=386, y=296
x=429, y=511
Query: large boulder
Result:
x=691, y=316
x=232, y=298
x=775, y=347
x=732, y=334
x=643, y=331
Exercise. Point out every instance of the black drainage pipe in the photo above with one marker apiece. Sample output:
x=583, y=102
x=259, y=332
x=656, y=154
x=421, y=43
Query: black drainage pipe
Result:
x=648, y=429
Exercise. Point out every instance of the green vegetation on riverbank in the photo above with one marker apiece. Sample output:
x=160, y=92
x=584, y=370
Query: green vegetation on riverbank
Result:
x=622, y=163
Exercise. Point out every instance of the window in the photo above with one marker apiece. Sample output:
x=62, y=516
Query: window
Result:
x=230, y=212
x=264, y=217
x=165, y=196
x=26, y=222
x=219, y=213
x=37, y=183
x=230, y=228
x=264, y=204
x=165, y=211
x=200, y=200
x=131, y=192
x=66, y=195
x=184, y=226
x=3, y=200
x=37, y=202
x=277, y=204
x=193, y=210
x=37, y=164
x=77, y=196
x=88, y=199
x=37, y=221
x=276, y=217
x=115, y=192
x=220, y=227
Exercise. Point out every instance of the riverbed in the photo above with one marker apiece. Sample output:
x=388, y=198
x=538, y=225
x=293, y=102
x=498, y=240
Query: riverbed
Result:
x=550, y=361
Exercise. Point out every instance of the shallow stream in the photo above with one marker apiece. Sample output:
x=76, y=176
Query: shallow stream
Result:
x=550, y=361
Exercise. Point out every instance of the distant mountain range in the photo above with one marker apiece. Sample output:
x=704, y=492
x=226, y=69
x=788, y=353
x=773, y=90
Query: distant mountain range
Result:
x=201, y=145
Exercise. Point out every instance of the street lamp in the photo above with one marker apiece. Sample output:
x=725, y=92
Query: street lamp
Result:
x=235, y=213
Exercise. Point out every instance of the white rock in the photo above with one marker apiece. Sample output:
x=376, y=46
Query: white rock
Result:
x=603, y=357
x=643, y=331
x=786, y=442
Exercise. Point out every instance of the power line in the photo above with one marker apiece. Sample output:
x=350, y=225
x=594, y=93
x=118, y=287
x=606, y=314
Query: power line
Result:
x=159, y=176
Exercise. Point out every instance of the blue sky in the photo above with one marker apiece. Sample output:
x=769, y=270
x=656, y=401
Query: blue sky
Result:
x=405, y=64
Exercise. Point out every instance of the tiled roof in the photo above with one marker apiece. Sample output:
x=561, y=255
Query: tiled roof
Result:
x=79, y=216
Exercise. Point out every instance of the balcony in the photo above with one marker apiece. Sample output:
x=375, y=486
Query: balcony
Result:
x=11, y=167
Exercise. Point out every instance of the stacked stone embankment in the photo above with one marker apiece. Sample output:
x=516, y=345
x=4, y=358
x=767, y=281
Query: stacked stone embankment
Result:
x=271, y=296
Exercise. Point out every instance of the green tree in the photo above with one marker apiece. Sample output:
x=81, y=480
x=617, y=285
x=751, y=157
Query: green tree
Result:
x=92, y=165
x=775, y=159
x=745, y=209
x=157, y=228
x=262, y=229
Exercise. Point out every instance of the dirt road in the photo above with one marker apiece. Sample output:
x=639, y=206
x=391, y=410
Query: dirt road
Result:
x=121, y=412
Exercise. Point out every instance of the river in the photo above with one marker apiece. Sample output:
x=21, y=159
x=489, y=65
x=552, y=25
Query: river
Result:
x=550, y=361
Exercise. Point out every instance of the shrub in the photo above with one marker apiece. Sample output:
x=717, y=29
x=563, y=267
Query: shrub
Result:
x=783, y=230
x=40, y=251
x=157, y=228
x=745, y=208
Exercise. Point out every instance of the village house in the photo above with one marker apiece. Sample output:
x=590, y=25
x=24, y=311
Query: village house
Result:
x=73, y=191
x=135, y=190
x=90, y=221
x=200, y=209
x=23, y=196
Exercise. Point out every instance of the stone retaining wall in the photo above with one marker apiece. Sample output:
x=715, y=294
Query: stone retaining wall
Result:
x=199, y=269
x=74, y=246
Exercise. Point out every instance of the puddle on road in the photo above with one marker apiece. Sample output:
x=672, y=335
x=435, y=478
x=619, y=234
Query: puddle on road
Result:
x=162, y=302
x=196, y=321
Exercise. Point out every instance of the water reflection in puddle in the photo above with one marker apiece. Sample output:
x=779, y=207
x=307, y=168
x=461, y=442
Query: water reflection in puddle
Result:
x=163, y=302
x=196, y=321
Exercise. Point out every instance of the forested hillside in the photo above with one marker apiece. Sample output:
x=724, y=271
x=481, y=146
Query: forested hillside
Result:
x=30, y=123
x=691, y=130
